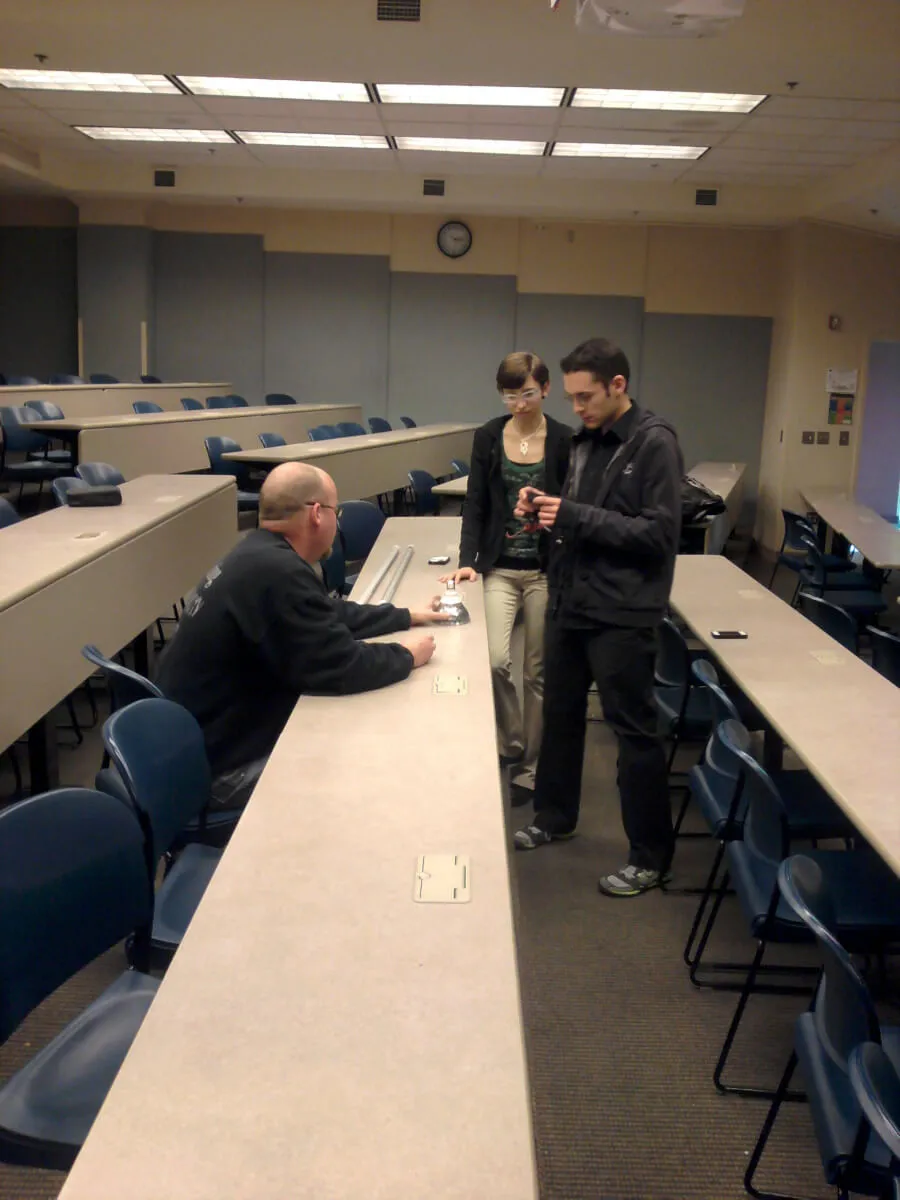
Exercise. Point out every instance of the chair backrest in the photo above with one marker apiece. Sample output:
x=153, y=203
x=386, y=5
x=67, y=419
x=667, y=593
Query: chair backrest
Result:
x=422, y=484
x=876, y=1086
x=379, y=425
x=215, y=448
x=673, y=658
x=815, y=563
x=8, y=515
x=408, y=422
x=189, y=404
x=349, y=428
x=73, y=883
x=146, y=406
x=150, y=379
x=322, y=433
x=796, y=527
x=65, y=379
x=125, y=686
x=157, y=747
x=271, y=439
x=334, y=567
x=829, y=617
x=226, y=402
x=99, y=474
x=844, y=1014
x=276, y=398
x=22, y=381
x=721, y=708
x=460, y=467
x=63, y=486
x=46, y=410
x=766, y=834
x=101, y=378
x=360, y=524
x=886, y=653
x=17, y=439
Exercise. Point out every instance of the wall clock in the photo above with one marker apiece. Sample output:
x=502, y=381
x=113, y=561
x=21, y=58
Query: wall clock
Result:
x=454, y=239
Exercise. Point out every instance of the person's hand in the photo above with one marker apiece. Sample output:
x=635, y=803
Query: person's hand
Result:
x=429, y=616
x=462, y=575
x=528, y=497
x=421, y=648
x=547, y=510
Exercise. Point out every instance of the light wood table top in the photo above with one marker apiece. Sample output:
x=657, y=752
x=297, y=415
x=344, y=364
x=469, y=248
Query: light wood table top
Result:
x=341, y=1040
x=456, y=488
x=148, y=420
x=877, y=539
x=110, y=399
x=335, y=447
x=836, y=712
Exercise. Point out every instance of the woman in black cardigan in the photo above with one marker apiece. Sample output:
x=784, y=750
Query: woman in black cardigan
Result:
x=524, y=448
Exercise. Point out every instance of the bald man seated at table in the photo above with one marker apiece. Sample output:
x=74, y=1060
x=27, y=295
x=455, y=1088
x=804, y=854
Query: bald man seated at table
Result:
x=262, y=629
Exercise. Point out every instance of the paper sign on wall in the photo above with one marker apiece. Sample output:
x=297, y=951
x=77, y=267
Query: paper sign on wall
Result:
x=841, y=381
x=841, y=387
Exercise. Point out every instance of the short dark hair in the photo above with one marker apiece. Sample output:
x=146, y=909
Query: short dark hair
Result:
x=519, y=367
x=605, y=360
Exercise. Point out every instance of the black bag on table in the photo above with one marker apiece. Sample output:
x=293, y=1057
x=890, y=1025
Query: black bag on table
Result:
x=698, y=502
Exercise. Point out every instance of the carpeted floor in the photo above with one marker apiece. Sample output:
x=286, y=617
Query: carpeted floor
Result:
x=620, y=1046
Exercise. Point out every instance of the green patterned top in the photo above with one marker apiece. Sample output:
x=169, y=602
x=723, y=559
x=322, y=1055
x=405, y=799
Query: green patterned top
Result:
x=521, y=536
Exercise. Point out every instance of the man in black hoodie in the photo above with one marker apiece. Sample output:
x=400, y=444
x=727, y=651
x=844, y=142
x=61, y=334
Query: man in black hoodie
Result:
x=615, y=533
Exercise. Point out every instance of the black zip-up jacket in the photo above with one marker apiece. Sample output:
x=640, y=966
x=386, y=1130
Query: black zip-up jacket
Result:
x=615, y=538
x=484, y=514
x=260, y=631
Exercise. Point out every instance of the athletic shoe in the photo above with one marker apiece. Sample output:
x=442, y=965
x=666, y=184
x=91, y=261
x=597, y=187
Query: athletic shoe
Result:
x=533, y=836
x=632, y=881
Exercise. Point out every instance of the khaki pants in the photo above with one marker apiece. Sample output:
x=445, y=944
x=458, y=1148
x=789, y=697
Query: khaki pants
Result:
x=505, y=592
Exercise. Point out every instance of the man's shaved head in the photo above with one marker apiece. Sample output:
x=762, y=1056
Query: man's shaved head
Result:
x=290, y=487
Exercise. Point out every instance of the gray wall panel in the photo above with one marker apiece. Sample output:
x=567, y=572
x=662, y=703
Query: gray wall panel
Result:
x=708, y=376
x=448, y=334
x=38, y=306
x=209, y=309
x=551, y=326
x=326, y=328
x=115, y=294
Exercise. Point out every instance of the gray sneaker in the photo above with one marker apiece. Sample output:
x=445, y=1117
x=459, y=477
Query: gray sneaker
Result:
x=533, y=836
x=632, y=881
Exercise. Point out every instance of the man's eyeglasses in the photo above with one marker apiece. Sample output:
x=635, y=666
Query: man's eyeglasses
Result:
x=529, y=396
x=337, y=509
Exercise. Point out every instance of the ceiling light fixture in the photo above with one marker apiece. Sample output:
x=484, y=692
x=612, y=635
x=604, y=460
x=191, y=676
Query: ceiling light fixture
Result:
x=470, y=145
x=624, y=150
x=338, y=141
x=86, y=81
x=274, y=89
x=722, y=102
x=107, y=133
x=493, y=97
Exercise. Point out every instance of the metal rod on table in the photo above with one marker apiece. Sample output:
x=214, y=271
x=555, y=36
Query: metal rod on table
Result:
x=382, y=571
x=398, y=574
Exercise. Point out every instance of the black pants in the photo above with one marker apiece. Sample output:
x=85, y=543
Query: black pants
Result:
x=620, y=661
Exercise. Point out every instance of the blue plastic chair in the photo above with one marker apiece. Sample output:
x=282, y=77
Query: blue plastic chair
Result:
x=146, y=406
x=63, y=380
x=408, y=422
x=226, y=402
x=828, y=1041
x=424, y=500
x=158, y=750
x=46, y=410
x=61, y=488
x=267, y=440
x=99, y=377
x=19, y=439
x=8, y=515
x=73, y=884
x=360, y=523
x=189, y=404
x=150, y=379
x=379, y=425
x=875, y=1079
x=22, y=381
x=885, y=653
x=99, y=474
x=322, y=433
x=334, y=568
x=349, y=428
x=865, y=892
x=276, y=398
x=460, y=467
x=861, y=603
x=835, y=621
x=792, y=553
x=247, y=501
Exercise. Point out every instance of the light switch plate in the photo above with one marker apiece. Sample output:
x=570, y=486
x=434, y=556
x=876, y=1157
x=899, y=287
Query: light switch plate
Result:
x=807, y=437
x=453, y=685
x=823, y=437
x=844, y=437
x=443, y=879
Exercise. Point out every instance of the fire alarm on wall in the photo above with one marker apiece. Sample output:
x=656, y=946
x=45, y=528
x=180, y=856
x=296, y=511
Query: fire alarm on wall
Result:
x=834, y=322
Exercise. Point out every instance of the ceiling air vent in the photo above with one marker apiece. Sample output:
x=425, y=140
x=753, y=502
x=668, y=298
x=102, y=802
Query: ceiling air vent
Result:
x=399, y=10
x=433, y=187
x=706, y=197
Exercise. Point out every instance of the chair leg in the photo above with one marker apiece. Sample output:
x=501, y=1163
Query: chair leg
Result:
x=73, y=717
x=781, y=1094
x=705, y=894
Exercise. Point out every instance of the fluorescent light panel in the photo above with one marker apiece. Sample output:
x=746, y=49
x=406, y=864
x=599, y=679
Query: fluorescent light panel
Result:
x=345, y=141
x=470, y=145
x=274, y=89
x=495, y=97
x=721, y=102
x=86, y=81
x=623, y=150
x=106, y=133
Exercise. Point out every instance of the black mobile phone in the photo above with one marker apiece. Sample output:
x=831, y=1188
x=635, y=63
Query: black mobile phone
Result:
x=439, y=560
x=729, y=635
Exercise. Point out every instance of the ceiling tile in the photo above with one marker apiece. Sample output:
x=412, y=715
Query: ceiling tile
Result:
x=876, y=130
x=363, y=123
x=310, y=159
x=674, y=122
x=466, y=130
x=298, y=109
x=644, y=137
x=102, y=102
x=542, y=120
x=433, y=164
x=614, y=168
x=823, y=158
x=807, y=106
x=882, y=110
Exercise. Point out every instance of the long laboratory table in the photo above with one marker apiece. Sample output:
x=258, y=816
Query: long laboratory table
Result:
x=374, y=463
x=103, y=575
x=169, y=443
x=727, y=481
x=319, y=1033
x=110, y=399
x=876, y=539
x=838, y=714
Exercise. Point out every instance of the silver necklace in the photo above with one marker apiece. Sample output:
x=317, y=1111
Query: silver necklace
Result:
x=523, y=444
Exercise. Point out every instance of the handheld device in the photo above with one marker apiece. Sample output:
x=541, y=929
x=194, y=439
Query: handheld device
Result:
x=723, y=635
x=439, y=560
